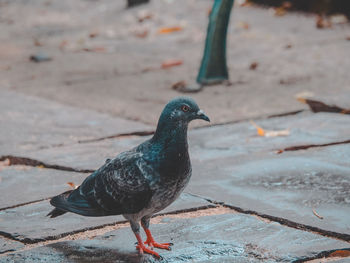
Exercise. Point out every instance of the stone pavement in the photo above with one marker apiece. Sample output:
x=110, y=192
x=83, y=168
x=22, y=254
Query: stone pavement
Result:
x=251, y=198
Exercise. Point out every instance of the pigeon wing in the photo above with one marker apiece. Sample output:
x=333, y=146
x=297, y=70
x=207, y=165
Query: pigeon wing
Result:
x=121, y=186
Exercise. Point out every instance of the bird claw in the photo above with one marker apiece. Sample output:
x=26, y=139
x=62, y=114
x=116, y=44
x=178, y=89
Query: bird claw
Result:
x=142, y=249
x=153, y=244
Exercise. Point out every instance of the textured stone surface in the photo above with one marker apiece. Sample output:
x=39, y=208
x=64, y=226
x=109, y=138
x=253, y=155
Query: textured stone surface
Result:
x=287, y=185
x=121, y=74
x=217, y=238
x=22, y=184
x=30, y=221
x=7, y=245
x=29, y=123
x=234, y=140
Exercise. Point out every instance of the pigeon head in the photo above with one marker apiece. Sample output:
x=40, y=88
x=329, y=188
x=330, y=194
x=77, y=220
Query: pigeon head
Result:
x=182, y=110
x=176, y=116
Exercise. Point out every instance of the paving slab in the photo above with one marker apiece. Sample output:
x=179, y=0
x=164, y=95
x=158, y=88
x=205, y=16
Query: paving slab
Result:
x=23, y=184
x=7, y=245
x=288, y=185
x=215, y=238
x=223, y=141
x=29, y=123
x=30, y=221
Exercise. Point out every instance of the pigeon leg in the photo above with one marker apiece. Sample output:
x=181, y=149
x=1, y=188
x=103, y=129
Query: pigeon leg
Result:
x=140, y=246
x=150, y=241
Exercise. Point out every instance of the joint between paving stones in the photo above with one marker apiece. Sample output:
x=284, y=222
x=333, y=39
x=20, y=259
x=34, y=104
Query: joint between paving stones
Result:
x=16, y=160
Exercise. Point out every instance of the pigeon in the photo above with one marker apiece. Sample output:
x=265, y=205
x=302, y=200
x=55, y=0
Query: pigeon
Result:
x=142, y=181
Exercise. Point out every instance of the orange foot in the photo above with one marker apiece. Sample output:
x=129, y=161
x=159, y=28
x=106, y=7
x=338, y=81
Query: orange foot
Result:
x=143, y=249
x=153, y=244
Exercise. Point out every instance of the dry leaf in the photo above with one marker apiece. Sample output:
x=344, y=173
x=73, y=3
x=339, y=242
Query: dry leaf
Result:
x=167, y=30
x=41, y=166
x=260, y=131
x=71, y=184
x=322, y=23
x=142, y=33
x=253, y=66
x=171, y=63
x=315, y=213
x=243, y=25
x=318, y=106
x=180, y=85
x=269, y=133
x=340, y=253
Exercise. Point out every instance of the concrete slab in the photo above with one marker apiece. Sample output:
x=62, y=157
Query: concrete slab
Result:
x=232, y=140
x=32, y=123
x=288, y=185
x=23, y=184
x=107, y=72
x=215, y=238
x=7, y=245
x=29, y=222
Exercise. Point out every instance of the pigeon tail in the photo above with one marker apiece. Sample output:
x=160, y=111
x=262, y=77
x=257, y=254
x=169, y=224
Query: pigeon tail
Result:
x=55, y=213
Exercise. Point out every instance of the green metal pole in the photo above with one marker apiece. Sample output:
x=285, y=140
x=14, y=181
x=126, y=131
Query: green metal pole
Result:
x=213, y=68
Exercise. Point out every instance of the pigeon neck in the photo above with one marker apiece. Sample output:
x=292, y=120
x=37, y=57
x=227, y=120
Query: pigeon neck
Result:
x=168, y=132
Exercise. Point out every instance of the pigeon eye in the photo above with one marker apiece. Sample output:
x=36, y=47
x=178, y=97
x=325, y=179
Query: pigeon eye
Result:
x=185, y=108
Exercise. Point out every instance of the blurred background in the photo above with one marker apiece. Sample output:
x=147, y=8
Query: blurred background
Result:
x=120, y=60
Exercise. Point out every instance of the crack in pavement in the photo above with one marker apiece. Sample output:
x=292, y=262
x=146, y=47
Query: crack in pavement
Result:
x=120, y=135
x=60, y=236
x=326, y=254
x=307, y=146
x=26, y=203
x=151, y=132
x=202, y=211
x=16, y=160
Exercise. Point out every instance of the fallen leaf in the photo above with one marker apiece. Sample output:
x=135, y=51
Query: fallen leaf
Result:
x=280, y=11
x=182, y=86
x=315, y=213
x=340, y=253
x=269, y=133
x=322, y=23
x=93, y=34
x=260, y=131
x=253, y=66
x=71, y=184
x=318, y=106
x=41, y=166
x=171, y=63
x=288, y=46
x=142, y=34
x=144, y=15
x=167, y=30
x=243, y=25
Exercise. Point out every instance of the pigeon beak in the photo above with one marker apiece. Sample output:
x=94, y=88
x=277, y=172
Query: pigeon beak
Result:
x=201, y=115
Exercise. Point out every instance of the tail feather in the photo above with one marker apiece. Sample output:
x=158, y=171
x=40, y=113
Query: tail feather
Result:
x=73, y=201
x=56, y=212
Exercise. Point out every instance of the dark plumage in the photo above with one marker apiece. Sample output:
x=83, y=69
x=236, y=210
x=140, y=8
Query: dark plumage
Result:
x=142, y=181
